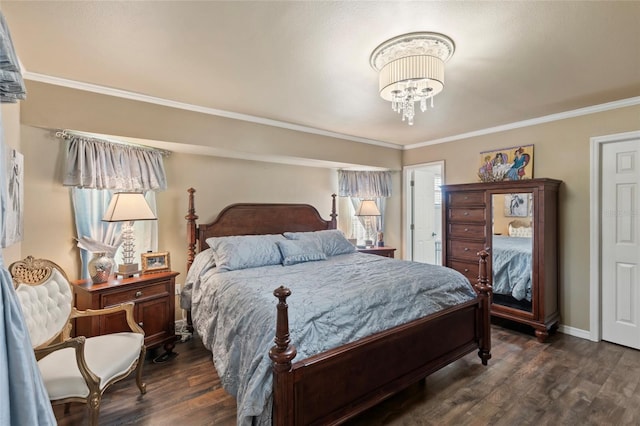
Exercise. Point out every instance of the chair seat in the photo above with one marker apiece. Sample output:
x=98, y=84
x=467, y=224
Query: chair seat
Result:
x=60, y=371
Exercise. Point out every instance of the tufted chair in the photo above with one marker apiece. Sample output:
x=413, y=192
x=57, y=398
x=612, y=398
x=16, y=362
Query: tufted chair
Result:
x=75, y=369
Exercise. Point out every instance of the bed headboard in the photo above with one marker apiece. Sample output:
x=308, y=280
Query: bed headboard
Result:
x=254, y=219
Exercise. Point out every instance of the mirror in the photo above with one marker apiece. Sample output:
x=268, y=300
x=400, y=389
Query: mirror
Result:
x=512, y=244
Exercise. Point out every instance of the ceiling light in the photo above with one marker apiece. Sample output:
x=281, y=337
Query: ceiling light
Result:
x=411, y=69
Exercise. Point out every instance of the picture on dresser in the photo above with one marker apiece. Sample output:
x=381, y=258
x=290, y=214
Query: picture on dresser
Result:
x=513, y=163
x=155, y=262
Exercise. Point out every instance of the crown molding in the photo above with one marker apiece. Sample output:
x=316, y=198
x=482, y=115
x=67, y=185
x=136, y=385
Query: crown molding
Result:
x=532, y=122
x=109, y=91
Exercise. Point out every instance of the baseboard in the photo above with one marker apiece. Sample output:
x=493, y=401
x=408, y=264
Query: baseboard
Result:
x=576, y=332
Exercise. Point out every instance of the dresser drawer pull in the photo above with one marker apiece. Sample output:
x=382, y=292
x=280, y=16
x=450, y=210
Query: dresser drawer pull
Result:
x=466, y=269
x=466, y=249
x=141, y=323
x=466, y=197
x=466, y=229
x=138, y=293
x=466, y=213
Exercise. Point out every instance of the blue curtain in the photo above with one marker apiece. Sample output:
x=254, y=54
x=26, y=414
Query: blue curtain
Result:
x=23, y=397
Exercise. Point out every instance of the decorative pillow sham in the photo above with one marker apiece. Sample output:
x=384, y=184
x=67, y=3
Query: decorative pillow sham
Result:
x=298, y=251
x=245, y=251
x=332, y=241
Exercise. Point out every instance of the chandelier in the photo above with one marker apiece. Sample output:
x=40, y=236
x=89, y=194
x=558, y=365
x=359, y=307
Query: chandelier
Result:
x=411, y=70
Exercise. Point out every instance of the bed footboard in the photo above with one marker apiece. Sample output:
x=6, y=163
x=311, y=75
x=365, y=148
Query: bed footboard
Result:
x=334, y=386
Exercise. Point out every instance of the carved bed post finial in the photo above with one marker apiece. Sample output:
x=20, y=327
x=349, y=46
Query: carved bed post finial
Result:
x=191, y=228
x=334, y=215
x=281, y=355
x=484, y=293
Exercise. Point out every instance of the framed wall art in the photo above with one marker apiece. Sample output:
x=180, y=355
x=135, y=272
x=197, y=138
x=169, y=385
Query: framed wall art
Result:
x=13, y=220
x=155, y=262
x=513, y=163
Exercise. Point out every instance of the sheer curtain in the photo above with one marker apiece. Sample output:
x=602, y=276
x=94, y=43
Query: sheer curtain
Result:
x=96, y=169
x=365, y=185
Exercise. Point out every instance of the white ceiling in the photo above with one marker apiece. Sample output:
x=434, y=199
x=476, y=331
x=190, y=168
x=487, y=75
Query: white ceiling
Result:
x=307, y=63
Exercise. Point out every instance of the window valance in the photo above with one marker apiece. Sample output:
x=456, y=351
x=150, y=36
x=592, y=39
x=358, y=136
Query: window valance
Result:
x=100, y=164
x=364, y=184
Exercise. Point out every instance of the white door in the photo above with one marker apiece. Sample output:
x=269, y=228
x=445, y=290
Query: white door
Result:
x=620, y=219
x=423, y=216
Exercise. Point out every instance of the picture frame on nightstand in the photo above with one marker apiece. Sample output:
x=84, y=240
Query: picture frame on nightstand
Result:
x=153, y=262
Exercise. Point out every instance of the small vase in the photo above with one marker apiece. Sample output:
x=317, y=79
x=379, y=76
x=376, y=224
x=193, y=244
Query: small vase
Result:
x=100, y=266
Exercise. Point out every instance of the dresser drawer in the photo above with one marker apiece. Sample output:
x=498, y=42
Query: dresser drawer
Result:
x=466, y=198
x=465, y=250
x=463, y=214
x=468, y=269
x=161, y=288
x=466, y=230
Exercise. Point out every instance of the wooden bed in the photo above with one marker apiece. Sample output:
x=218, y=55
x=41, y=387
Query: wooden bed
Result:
x=333, y=386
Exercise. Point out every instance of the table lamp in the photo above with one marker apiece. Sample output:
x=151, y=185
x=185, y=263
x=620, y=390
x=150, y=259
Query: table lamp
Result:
x=127, y=207
x=368, y=209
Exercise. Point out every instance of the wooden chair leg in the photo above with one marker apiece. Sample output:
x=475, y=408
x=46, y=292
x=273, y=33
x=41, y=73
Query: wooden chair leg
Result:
x=93, y=406
x=141, y=385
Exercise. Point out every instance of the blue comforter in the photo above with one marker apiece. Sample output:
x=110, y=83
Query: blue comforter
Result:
x=512, y=266
x=333, y=302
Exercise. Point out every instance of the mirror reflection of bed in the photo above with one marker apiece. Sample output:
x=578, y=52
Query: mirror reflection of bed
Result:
x=512, y=250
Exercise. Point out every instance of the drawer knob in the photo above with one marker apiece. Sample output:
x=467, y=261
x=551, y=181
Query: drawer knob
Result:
x=466, y=229
x=141, y=323
x=466, y=249
x=466, y=197
x=466, y=269
x=466, y=213
x=138, y=293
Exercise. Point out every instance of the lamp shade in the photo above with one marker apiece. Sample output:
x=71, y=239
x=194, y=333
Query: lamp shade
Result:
x=368, y=208
x=127, y=207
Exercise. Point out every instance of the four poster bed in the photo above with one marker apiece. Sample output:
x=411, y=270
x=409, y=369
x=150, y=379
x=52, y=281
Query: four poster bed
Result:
x=362, y=331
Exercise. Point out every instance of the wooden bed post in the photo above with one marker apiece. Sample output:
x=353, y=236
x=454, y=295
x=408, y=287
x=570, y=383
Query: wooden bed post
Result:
x=334, y=215
x=484, y=293
x=281, y=355
x=191, y=229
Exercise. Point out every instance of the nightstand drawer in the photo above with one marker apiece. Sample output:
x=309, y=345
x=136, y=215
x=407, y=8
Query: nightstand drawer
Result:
x=159, y=289
x=465, y=198
x=467, y=215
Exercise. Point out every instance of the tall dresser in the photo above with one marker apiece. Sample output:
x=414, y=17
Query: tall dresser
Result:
x=517, y=222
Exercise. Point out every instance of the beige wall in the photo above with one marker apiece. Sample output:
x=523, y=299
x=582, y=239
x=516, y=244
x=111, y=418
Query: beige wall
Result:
x=561, y=151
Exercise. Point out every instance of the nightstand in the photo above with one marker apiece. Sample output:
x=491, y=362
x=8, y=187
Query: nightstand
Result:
x=154, y=311
x=380, y=251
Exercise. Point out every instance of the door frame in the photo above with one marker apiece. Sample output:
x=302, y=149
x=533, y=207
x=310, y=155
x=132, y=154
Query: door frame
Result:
x=595, y=238
x=406, y=184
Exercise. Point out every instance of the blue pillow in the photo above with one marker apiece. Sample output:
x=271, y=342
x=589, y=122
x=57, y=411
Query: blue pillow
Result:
x=332, y=241
x=245, y=251
x=298, y=251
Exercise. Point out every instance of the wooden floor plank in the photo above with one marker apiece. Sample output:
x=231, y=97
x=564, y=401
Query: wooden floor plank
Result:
x=567, y=381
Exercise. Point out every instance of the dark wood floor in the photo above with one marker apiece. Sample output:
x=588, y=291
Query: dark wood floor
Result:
x=567, y=381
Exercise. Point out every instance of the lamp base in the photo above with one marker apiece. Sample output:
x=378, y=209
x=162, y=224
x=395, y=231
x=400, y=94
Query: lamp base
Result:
x=128, y=269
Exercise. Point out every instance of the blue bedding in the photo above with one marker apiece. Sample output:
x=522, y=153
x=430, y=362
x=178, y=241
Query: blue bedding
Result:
x=512, y=266
x=333, y=302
